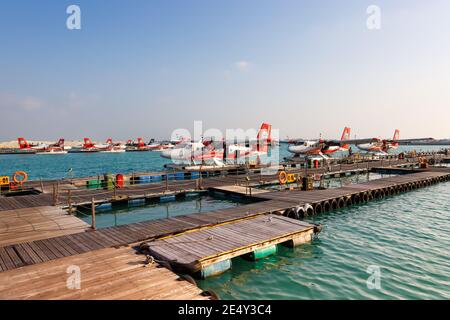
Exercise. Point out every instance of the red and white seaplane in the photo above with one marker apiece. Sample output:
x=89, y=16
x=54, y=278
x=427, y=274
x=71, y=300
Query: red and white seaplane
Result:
x=324, y=147
x=219, y=152
x=381, y=146
x=42, y=148
x=140, y=145
x=109, y=146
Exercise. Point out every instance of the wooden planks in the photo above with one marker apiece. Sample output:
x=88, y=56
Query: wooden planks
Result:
x=28, y=224
x=21, y=202
x=104, y=274
x=301, y=198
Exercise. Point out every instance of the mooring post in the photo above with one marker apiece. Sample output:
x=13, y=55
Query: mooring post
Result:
x=93, y=214
x=167, y=182
x=54, y=195
x=57, y=193
x=69, y=200
x=42, y=186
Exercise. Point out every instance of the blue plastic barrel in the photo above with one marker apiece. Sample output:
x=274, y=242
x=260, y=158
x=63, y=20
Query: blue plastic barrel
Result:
x=195, y=175
x=167, y=198
x=179, y=176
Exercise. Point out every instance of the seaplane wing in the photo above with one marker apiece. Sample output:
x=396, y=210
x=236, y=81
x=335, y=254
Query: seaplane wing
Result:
x=350, y=141
x=412, y=140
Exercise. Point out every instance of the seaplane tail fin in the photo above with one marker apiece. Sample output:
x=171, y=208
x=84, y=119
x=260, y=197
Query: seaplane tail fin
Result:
x=23, y=144
x=265, y=132
x=396, y=135
x=141, y=142
x=60, y=143
x=264, y=137
x=346, y=134
x=88, y=143
x=109, y=141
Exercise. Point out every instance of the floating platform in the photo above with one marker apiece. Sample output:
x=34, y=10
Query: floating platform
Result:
x=207, y=251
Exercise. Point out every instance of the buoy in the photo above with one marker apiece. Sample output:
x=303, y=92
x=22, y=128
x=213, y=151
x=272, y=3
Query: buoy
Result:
x=334, y=204
x=356, y=199
x=282, y=177
x=326, y=206
x=22, y=174
x=348, y=201
x=341, y=203
x=300, y=212
x=309, y=210
x=291, y=213
x=365, y=197
x=318, y=208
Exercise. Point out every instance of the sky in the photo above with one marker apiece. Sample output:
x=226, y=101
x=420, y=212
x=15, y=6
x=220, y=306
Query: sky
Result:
x=148, y=67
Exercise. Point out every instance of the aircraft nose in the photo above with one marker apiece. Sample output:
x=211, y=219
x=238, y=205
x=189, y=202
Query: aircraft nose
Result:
x=166, y=154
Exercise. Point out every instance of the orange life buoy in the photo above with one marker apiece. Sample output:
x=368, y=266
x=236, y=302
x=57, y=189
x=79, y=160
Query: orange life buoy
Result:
x=282, y=177
x=22, y=174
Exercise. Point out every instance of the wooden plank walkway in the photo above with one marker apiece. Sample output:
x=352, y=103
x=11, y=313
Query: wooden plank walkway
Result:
x=192, y=251
x=357, y=193
x=110, y=273
x=34, y=252
x=29, y=224
x=28, y=201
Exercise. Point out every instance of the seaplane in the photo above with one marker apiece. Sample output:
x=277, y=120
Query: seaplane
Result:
x=218, y=153
x=109, y=146
x=323, y=147
x=382, y=147
x=42, y=148
x=140, y=145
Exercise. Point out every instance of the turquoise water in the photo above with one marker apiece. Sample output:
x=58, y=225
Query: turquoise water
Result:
x=140, y=212
x=93, y=164
x=82, y=164
x=407, y=236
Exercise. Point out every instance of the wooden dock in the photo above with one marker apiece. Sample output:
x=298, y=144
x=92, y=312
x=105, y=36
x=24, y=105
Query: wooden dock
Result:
x=38, y=237
x=17, y=255
x=293, y=203
x=194, y=251
x=111, y=274
x=318, y=201
x=35, y=223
